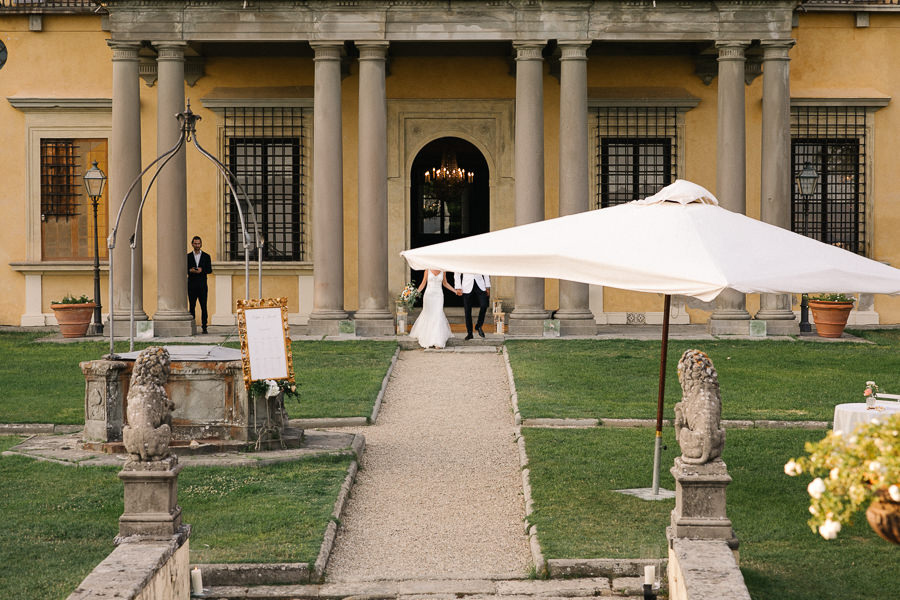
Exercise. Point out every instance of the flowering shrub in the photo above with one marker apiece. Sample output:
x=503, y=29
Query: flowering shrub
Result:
x=850, y=470
x=408, y=295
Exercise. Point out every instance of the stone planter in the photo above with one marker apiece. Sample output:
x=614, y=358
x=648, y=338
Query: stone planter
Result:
x=73, y=319
x=883, y=515
x=830, y=317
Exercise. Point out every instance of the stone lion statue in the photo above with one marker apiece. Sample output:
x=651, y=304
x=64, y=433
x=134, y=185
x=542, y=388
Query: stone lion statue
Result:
x=698, y=417
x=149, y=428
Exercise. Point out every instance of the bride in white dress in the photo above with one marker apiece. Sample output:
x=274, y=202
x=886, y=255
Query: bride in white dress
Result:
x=432, y=327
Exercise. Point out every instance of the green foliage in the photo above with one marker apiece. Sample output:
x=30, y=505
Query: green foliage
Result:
x=63, y=519
x=70, y=299
x=832, y=298
x=760, y=379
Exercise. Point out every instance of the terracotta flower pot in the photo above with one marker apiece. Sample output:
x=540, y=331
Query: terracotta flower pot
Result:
x=883, y=515
x=830, y=317
x=73, y=319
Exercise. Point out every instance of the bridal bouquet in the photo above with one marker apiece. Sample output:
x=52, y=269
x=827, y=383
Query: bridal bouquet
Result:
x=408, y=295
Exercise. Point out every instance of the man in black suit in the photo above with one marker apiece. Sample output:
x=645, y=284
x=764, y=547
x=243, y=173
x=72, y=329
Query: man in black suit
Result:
x=199, y=265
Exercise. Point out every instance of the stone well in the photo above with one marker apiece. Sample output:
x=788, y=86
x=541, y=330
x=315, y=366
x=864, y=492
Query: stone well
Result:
x=212, y=407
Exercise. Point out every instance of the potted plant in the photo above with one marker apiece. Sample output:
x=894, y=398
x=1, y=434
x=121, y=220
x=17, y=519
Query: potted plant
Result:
x=73, y=315
x=830, y=312
x=852, y=471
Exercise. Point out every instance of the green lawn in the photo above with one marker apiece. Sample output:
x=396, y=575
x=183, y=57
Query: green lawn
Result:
x=573, y=473
x=339, y=379
x=759, y=379
x=42, y=383
x=61, y=520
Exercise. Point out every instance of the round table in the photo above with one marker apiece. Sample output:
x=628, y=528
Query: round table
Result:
x=847, y=417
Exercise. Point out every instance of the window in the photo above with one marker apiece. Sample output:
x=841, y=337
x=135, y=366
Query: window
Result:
x=67, y=223
x=832, y=140
x=636, y=152
x=265, y=149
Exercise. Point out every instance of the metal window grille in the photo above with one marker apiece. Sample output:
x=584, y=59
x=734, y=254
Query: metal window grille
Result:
x=264, y=148
x=637, y=154
x=832, y=140
x=60, y=181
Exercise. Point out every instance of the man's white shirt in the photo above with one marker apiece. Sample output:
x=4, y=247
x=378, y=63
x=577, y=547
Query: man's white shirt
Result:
x=469, y=280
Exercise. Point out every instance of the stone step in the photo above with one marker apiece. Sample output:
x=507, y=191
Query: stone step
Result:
x=507, y=589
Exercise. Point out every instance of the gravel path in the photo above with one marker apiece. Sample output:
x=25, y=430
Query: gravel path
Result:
x=440, y=491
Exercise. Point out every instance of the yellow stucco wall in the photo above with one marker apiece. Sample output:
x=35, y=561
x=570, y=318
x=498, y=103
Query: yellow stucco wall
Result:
x=831, y=54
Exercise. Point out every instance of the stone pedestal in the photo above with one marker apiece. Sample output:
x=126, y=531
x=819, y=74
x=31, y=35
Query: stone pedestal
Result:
x=151, y=498
x=105, y=382
x=700, y=502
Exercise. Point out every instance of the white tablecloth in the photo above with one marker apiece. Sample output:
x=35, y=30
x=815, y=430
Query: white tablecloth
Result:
x=848, y=416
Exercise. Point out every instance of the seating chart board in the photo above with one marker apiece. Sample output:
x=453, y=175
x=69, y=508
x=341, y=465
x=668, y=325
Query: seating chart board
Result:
x=265, y=340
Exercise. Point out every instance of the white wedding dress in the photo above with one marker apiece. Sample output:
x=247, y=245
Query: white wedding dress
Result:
x=432, y=327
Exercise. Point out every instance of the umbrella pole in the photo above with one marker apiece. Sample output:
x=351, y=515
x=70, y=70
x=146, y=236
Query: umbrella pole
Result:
x=662, y=393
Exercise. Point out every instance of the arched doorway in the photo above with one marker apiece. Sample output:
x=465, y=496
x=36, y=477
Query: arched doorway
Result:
x=449, y=197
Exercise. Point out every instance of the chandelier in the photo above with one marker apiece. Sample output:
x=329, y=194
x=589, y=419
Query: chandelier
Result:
x=448, y=178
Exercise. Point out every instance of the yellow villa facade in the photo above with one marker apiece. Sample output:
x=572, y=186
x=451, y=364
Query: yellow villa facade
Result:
x=330, y=114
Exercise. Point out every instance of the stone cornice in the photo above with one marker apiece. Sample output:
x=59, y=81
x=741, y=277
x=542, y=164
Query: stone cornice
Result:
x=30, y=104
x=58, y=267
x=458, y=20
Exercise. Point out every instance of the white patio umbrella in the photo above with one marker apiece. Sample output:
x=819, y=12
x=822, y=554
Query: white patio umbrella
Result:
x=678, y=241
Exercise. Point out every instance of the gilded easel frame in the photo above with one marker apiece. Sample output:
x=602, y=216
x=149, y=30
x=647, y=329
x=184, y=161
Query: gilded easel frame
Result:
x=265, y=340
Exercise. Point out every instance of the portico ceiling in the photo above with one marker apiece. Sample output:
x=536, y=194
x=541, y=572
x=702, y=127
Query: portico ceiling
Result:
x=450, y=20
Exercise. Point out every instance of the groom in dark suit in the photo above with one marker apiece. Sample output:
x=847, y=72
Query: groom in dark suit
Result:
x=473, y=288
x=199, y=265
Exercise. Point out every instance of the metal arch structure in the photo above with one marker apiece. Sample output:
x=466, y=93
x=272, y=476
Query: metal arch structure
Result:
x=188, y=121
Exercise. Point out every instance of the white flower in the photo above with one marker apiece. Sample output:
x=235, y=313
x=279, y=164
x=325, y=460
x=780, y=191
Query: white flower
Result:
x=894, y=493
x=812, y=510
x=829, y=529
x=875, y=466
x=272, y=389
x=875, y=421
x=870, y=383
x=834, y=473
x=816, y=488
x=792, y=468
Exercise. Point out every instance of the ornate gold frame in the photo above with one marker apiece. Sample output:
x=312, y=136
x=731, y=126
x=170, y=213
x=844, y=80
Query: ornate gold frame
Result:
x=244, y=305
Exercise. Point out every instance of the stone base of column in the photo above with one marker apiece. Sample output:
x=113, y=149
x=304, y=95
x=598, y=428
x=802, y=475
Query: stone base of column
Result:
x=527, y=322
x=729, y=327
x=125, y=317
x=151, y=498
x=326, y=322
x=780, y=326
x=180, y=326
x=699, y=511
x=576, y=322
x=372, y=327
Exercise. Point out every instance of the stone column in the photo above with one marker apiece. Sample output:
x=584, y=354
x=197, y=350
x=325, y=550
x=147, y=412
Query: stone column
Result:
x=328, y=193
x=172, y=317
x=124, y=166
x=574, y=314
x=775, y=187
x=374, y=315
x=730, y=315
x=527, y=318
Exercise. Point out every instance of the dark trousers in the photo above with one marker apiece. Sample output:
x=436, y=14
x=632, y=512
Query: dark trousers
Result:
x=197, y=290
x=476, y=295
